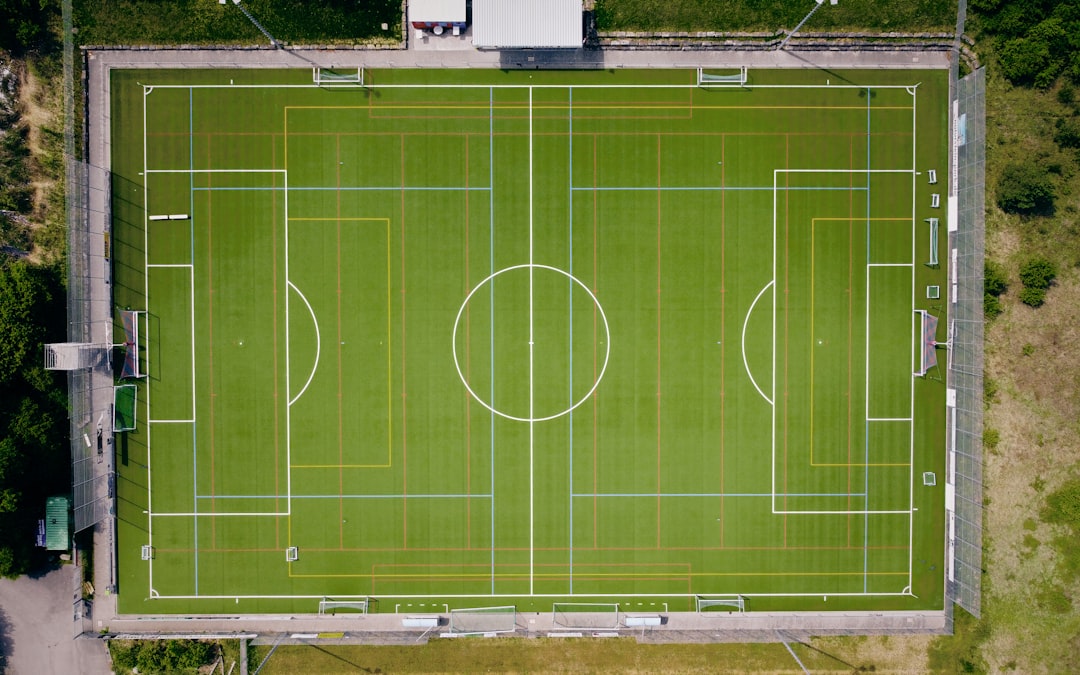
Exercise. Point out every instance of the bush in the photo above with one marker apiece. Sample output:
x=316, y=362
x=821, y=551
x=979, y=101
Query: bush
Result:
x=1025, y=189
x=992, y=307
x=1033, y=297
x=995, y=281
x=1067, y=132
x=1063, y=505
x=1037, y=273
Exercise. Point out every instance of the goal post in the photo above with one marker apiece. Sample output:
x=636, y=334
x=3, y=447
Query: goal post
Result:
x=333, y=76
x=133, y=322
x=585, y=614
x=715, y=605
x=481, y=620
x=722, y=77
x=357, y=605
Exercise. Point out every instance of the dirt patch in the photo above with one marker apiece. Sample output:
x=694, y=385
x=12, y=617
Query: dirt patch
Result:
x=886, y=654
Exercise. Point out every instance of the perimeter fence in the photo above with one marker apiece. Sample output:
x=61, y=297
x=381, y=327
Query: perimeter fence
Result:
x=965, y=373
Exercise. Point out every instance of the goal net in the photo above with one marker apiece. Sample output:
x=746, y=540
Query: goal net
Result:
x=131, y=320
x=323, y=76
x=716, y=605
x=928, y=358
x=332, y=606
x=729, y=77
x=124, y=407
x=483, y=620
x=585, y=615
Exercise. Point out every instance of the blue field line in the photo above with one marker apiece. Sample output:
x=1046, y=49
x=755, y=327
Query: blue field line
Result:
x=570, y=291
x=718, y=188
x=866, y=425
x=715, y=494
x=191, y=226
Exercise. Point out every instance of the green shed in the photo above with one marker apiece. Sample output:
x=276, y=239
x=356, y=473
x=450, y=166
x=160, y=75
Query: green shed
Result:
x=57, y=532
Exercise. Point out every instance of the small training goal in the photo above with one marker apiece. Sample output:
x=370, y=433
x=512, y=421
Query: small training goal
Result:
x=332, y=606
x=722, y=77
x=334, y=76
x=483, y=620
x=715, y=605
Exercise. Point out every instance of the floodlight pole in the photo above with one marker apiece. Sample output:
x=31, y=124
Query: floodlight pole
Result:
x=258, y=25
x=805, y=19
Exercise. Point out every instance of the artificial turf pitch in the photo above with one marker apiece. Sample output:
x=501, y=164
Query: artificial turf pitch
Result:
x=505, y=338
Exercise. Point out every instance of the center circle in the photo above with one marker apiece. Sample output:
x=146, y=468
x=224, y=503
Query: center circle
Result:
x=528, y=323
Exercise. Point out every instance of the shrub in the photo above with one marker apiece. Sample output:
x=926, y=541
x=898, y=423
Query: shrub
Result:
x=992, y=307
x=1063, y=505
x=1067, y=132
x=995, y=282
x=1038, y=273
x=1033, y=297
x=1026, y=189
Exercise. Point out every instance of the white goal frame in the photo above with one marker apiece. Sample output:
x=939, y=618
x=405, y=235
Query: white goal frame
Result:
x=458, y=623
x=331, y=605
x=597, y=611
x=337, y=76
x=702, y=603
x=738, y=79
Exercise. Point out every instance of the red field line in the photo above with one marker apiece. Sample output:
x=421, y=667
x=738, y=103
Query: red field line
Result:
x=210, y=338
x=659, y=193
x=723, y=334
x=595, y=394
x=340, y=378
x=787, y=291
x=552, y=549
x=468, y=370
x=404, y=392
x=851, y=284
x=274, y=296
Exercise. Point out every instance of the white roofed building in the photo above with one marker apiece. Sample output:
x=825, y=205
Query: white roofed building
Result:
x=510, y=24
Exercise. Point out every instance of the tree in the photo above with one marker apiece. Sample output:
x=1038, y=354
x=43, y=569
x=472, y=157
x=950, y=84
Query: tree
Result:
x=1026, y=189
x=28, y=301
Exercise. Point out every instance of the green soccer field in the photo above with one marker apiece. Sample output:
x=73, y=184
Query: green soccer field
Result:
x=510, y=338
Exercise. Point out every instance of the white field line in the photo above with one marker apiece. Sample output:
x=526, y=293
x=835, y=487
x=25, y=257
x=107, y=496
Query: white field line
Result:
x=532, y=382
x=157, y=595
x=169, y=421
x=888, y=419
x=213, y=170
x=911, y=430
x=746, y=322
x=146, y=297
x=693, y=85
x=318, y=343
x=772, y=375
x=288, y=408
x=491, y=305
x=153, y=265
x=889, y=264
x=852, y=512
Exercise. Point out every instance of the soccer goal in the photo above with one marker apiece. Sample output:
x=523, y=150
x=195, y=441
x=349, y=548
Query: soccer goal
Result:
x=481, y=620
x=731, y=77
x=331, y=76
x=928, y=353
x=332, y=606
x=133, y=321
x=716, y=605
x=585, y=615
x=933, y=261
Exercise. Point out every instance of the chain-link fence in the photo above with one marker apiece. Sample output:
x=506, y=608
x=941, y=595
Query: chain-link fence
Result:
x=88, y=302
x=966, y=358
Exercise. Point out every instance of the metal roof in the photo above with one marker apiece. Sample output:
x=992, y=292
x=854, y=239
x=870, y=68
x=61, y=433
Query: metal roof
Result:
x=57, y=535
x=527, y=23
x=437, y=10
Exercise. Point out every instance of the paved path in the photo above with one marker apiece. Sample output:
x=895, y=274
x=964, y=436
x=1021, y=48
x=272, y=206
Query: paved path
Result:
x=36, y=634
x=678, y=627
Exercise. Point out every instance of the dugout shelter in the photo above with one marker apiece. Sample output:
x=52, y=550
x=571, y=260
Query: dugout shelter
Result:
x=527, y=24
